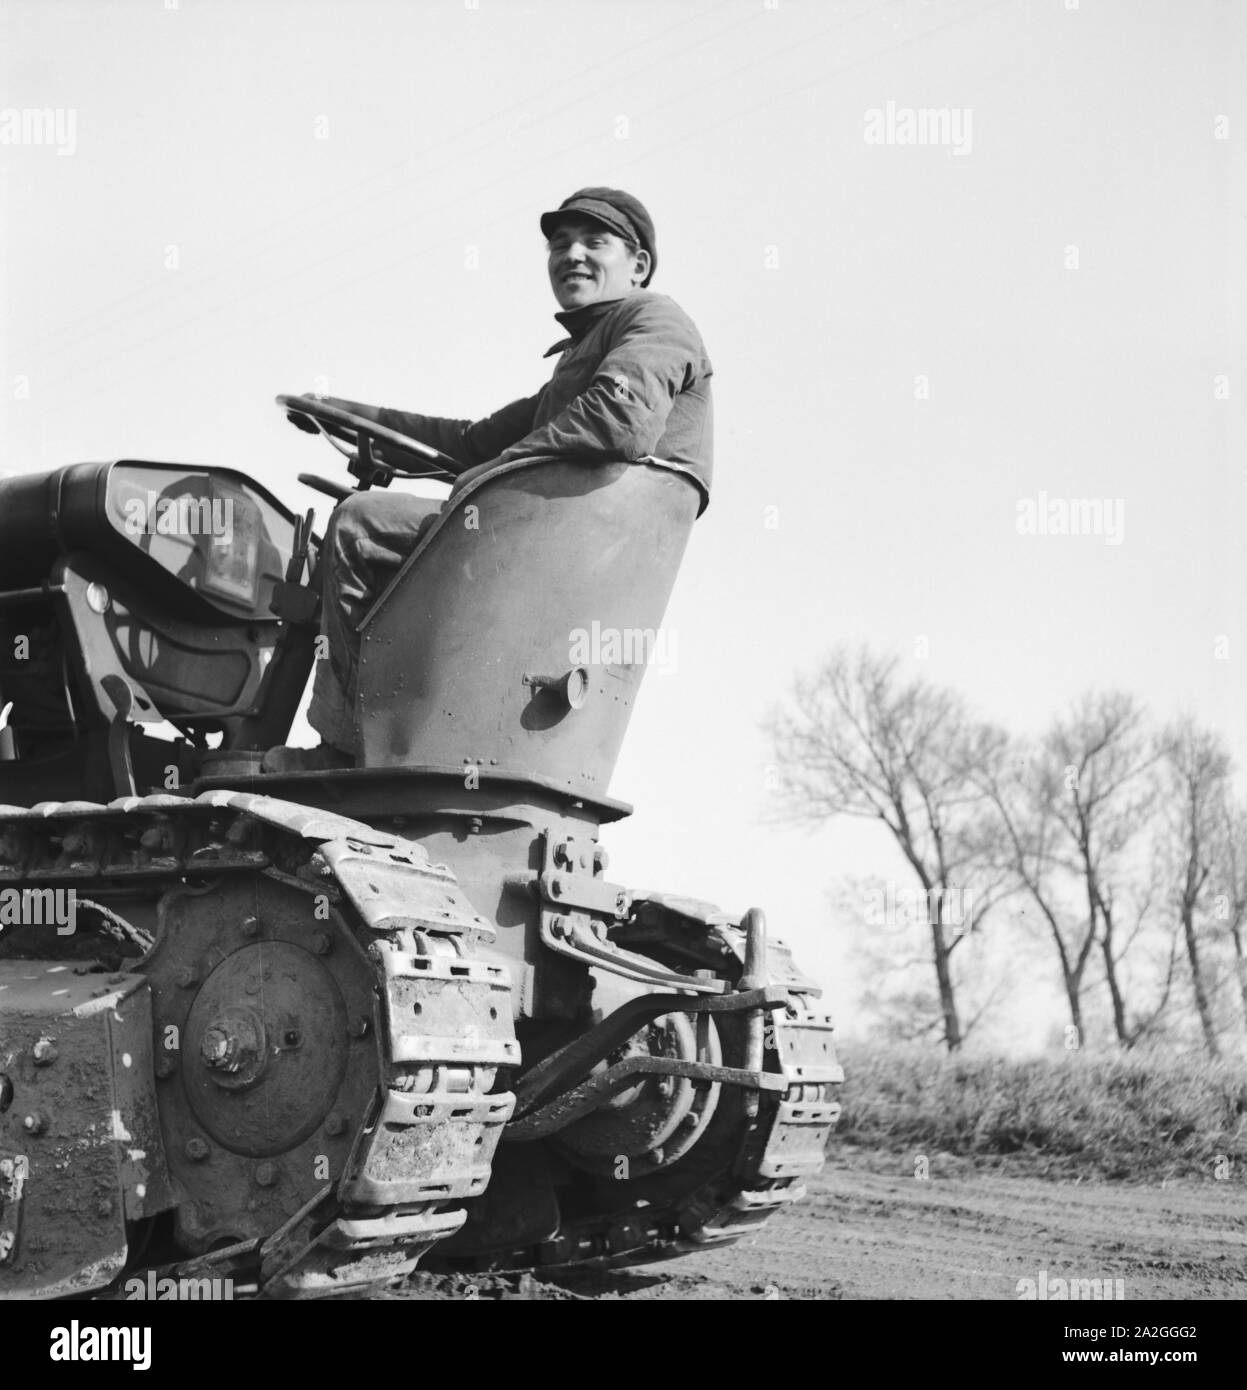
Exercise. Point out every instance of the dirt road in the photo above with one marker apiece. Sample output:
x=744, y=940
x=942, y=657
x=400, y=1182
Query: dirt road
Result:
x=871, y=1230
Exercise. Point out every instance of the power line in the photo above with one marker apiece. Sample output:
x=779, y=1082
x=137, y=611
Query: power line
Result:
x=408, y=258
x=867, y=11
x=345, y=204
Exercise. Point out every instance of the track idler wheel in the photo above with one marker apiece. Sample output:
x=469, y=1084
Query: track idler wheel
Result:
x=266, y=1052
x=659, y=1119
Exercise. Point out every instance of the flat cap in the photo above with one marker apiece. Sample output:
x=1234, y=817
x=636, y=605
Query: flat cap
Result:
x=619, y=211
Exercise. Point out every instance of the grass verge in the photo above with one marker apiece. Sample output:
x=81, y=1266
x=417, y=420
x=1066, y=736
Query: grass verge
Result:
x=1129, y=1117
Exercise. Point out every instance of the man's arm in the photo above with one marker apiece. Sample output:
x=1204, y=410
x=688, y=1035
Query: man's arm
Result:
x=623, y=413
x=469, y=442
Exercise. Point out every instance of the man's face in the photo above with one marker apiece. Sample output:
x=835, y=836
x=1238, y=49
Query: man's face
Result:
x=588, y=264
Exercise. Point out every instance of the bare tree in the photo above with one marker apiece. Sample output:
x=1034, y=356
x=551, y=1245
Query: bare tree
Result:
x=1197, y=768
x=1230, y=903
x=1023, y=785
x=859, y=741
x=1105, y=799
x=892, y=962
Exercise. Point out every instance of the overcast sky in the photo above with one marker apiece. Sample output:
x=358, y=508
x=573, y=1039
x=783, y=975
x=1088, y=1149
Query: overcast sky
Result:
x=914, y=344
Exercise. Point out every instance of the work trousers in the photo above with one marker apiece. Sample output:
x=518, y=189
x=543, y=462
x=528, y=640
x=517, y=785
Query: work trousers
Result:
x=369, y=536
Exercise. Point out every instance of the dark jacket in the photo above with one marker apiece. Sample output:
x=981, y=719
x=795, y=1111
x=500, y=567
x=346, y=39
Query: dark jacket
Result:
x=633, y=380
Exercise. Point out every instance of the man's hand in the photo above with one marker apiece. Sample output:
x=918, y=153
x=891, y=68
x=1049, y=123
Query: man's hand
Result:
x=367, y=412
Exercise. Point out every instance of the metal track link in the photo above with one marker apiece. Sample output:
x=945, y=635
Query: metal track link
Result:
x=446, y=1018
x=432, y=1135
x=784, y=1143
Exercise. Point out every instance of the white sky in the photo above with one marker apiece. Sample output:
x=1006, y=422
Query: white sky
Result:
x=741, y=125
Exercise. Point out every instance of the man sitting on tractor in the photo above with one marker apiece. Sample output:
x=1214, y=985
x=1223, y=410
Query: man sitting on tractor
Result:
x=632, y=381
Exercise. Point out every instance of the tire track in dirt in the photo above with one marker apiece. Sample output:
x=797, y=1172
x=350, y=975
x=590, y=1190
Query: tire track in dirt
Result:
x=868, y=1229
x=866, y=1233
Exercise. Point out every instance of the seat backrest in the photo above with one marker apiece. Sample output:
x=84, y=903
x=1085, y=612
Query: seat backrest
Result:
x=535, y=569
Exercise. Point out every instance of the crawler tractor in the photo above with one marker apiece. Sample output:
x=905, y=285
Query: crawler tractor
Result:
x=306, y=1030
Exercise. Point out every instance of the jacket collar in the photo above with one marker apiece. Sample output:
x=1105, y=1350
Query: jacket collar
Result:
x=578, y=322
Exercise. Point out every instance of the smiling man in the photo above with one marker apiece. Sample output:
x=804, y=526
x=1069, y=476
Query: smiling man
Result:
x=632, y=381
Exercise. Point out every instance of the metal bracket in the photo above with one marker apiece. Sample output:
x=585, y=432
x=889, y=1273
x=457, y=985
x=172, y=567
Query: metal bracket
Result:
x=576, y=936
x=365, y=466
x=569, y=892
x=570, y=879
x=570, y=1106
x=572, y=896
x=119, y=691
x=553, y=1074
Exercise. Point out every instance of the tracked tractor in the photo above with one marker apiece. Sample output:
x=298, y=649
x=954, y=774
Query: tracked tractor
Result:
x=308, y=1030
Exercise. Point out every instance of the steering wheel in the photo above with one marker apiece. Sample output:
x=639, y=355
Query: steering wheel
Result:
x=368, y=447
